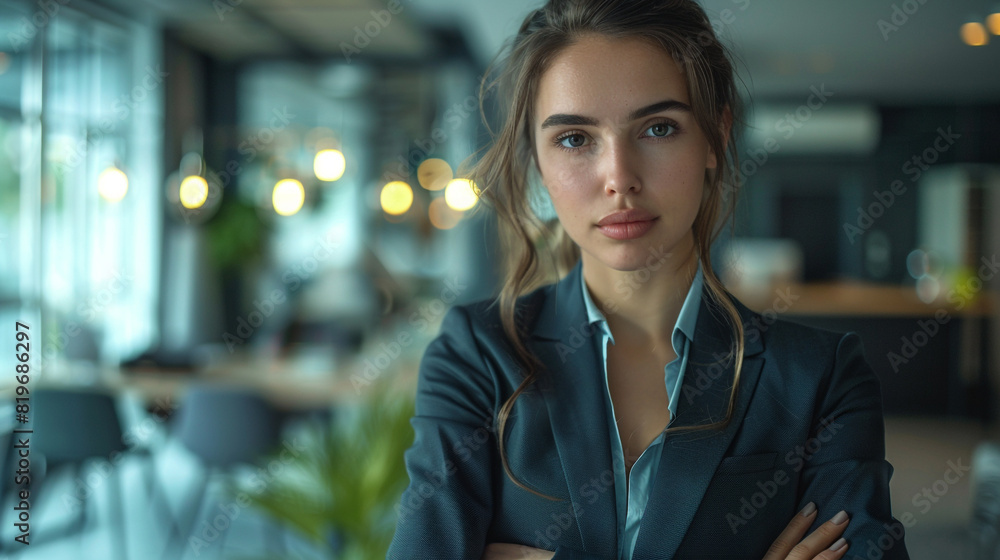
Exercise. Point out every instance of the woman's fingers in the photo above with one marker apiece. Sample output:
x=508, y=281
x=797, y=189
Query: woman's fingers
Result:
x=792, y=534
x=818, y=544
x=497, y=551
x=791, y=546
x=509, y=551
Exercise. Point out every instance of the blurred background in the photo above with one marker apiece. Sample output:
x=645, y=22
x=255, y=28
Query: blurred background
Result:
x=229, y=228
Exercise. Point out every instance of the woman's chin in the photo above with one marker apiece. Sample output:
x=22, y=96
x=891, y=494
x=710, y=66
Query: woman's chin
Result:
x=631, y=260
x=631, y=257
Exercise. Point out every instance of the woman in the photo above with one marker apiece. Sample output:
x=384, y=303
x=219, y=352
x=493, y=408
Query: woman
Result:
x=633, y=408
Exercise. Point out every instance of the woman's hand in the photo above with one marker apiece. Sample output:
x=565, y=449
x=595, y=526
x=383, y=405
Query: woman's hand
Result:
x=506, y=551
x=788, y=546
x=814, y=547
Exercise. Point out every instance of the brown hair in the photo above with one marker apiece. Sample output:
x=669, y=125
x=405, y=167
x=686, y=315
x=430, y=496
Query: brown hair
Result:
x=683, y=30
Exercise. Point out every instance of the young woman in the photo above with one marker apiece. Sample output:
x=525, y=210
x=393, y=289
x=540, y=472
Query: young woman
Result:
x=633, y=408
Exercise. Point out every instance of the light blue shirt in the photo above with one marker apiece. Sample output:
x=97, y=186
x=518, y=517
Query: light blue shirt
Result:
x=631, y=501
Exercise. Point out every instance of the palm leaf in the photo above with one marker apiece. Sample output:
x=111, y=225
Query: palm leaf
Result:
x=345, y=485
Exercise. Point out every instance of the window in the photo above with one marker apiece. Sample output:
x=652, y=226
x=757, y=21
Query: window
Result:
x=82, y=266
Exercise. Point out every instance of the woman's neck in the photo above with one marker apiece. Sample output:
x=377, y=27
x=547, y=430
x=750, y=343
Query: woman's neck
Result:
x=642, y=306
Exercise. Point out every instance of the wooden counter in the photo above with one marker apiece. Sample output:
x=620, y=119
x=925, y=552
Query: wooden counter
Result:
x=278, y=381
x=854, y=298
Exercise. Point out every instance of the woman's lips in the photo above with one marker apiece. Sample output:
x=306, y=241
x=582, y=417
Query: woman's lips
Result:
x=627, y=230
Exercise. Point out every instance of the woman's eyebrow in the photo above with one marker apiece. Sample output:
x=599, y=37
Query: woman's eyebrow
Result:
x=562, y=119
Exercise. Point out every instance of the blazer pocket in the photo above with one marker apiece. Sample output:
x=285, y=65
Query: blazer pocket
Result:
x=747, y=463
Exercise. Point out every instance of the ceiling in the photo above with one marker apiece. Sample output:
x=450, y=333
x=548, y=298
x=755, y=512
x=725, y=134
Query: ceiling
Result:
x=784, y=46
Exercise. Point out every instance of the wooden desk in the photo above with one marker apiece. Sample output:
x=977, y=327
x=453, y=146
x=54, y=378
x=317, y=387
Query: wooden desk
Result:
x=278, y=381
x=929, y=357
x=860, y=299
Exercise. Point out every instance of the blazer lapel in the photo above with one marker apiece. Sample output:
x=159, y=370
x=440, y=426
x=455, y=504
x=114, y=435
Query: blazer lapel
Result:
x=573, y=395
x=576, y=408
x=689, y=459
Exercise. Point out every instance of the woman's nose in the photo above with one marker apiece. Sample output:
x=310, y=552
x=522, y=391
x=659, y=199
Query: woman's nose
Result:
x=620, y=170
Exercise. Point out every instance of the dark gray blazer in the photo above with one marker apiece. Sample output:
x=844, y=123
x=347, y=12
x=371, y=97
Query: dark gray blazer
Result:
x=807, y=426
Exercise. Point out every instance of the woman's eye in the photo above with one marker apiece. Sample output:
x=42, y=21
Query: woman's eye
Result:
x=660, y=129
x=578, y=137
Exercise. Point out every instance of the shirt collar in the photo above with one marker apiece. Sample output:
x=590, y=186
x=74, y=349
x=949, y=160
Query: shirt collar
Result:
x=686, y=321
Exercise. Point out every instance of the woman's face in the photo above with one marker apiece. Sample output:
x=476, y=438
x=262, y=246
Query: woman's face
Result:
x=614, y=130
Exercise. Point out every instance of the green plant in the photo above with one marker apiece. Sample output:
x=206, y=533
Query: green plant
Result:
x=345, y=486
x=235, y=234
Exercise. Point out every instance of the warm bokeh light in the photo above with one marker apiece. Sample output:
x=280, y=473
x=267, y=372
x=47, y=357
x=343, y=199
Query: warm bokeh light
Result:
x=441, y=216
x=193, y=191
x=993, y=22
x=461, y=194
x=974, y=34
x=112, y=184
x=397, y=197
x=329, y=165
x=288, y=197
x=434, y=174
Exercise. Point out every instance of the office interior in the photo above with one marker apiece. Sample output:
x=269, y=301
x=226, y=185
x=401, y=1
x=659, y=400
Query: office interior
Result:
x=229, y=229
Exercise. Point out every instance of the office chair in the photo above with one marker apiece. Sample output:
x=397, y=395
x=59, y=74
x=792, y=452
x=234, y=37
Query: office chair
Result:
x=70, y=427
x=223, y=427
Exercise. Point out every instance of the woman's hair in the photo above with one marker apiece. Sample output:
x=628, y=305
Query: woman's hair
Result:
x=680, y=28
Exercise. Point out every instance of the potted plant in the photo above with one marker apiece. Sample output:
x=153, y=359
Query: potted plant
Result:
x=342, y=491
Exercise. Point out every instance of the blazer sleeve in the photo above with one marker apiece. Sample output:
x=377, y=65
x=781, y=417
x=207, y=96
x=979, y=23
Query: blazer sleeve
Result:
x=447, y=507
x=844, y=465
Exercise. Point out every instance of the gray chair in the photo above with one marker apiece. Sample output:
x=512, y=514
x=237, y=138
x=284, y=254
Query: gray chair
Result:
x=70, y=427
x=223, y=427
x=226, y=426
